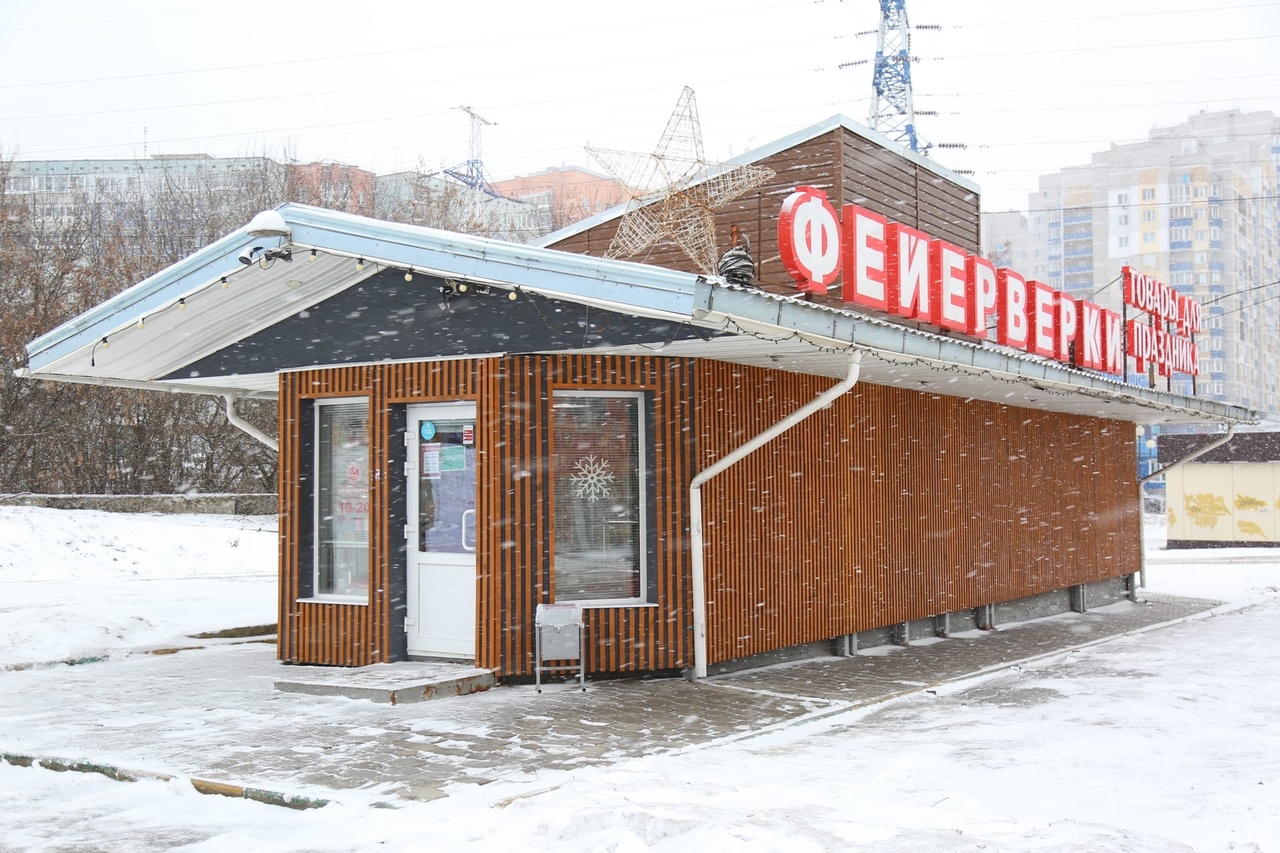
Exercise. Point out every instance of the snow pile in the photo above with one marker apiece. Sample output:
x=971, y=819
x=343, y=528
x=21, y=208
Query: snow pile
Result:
x=77, y=584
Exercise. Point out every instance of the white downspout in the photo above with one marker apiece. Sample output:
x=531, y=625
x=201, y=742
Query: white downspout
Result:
x=698, y=568
x=233, y=418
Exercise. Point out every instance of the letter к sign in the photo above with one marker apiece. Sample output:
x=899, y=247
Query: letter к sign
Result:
x=809, y=239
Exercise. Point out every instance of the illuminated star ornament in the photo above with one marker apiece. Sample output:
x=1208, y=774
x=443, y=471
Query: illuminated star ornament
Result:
x=690, y=190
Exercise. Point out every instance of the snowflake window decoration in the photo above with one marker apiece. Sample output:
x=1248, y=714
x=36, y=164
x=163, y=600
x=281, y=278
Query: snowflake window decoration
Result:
x=592, y=480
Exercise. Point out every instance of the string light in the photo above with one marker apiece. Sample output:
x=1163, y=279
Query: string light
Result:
x=142, y=322
x=182, y=304
x=360, y=265
x=105, y=343
x=225, y=283
x=408, y=275
x=313, y=256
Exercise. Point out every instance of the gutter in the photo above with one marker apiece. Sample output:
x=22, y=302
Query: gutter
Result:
x=144, y=385
x=698, y=567
x=234, y=418
x=1142, y=533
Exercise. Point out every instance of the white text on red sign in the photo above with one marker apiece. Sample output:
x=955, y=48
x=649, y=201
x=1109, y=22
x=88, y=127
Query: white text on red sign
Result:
x=899, y=270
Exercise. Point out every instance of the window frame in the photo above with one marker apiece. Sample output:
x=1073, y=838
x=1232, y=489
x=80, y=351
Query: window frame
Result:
x=644, y=497
x=316, y=595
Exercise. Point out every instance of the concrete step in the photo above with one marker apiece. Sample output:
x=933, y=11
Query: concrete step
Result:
x=390, y=683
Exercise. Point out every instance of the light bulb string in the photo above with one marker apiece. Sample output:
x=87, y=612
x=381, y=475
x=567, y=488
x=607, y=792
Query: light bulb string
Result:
x=224, y=281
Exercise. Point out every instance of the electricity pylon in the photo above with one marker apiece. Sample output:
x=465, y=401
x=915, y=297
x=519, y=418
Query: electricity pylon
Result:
x=892, y=111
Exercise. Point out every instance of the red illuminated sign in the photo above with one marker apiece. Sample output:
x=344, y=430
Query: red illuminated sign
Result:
x=1152, y=342
x=890, y=267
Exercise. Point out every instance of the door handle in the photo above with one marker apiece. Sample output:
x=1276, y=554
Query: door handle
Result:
x=465, y=514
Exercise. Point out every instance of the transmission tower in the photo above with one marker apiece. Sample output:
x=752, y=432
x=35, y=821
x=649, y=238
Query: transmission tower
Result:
x=892, y=111
x=471, y=173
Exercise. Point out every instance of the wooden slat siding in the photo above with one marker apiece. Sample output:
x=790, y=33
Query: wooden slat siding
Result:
x=851, y=170
x=619, y=639
x=311, y=632
x=287, y=431
x=894, y=505
x=812, y=163
x=896, y=187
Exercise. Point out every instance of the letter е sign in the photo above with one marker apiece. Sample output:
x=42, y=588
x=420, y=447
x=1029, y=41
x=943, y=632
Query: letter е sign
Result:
x=809, y=239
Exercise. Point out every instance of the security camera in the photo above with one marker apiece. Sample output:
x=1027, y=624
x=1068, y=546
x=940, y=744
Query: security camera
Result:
x=248, y=256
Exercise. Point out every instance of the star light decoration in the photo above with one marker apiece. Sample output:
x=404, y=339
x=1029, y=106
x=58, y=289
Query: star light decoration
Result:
x=691, y=189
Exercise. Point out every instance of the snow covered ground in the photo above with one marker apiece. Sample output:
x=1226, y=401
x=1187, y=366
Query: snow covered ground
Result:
x=1165, y=740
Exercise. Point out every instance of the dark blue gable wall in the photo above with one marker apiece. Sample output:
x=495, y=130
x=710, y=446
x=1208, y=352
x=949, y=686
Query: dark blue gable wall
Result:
x=388, y=318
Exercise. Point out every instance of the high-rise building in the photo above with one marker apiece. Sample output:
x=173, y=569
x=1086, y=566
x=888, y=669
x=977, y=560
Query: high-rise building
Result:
x=1197, y=206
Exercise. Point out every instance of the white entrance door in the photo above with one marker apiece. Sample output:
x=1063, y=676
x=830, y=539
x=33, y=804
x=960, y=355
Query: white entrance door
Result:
x=441, y=533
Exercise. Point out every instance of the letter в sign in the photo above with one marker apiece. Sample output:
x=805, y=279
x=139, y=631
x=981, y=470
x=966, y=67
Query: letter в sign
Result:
x=1040, y=312
x=1011, y=302
x=809, y=239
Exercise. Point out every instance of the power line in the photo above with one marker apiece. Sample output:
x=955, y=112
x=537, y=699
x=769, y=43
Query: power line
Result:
x=1223, y=296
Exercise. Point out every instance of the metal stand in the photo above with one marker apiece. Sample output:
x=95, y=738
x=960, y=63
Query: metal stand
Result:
x=558, y=637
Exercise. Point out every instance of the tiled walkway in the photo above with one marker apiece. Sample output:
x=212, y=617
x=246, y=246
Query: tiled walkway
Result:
x=214, y=714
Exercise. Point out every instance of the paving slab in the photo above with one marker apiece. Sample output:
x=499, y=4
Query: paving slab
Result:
x=214, y=713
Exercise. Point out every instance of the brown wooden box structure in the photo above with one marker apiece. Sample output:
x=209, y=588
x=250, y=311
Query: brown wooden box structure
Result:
x=952, y=476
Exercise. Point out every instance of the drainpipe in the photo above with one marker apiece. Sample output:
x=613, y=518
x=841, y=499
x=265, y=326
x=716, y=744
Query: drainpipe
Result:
x=1142, y=535
x=698, y=568
x=233, y=418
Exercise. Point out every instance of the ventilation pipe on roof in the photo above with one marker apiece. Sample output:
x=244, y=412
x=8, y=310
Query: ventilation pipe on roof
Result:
x=698, y=568
x=1142, y=533
x=234, y=418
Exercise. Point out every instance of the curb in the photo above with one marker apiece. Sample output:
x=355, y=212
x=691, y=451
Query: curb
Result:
x=203, y=786
x=127, y=652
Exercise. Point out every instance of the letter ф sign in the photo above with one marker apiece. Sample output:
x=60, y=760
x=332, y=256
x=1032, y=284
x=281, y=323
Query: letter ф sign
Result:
x=901, y=271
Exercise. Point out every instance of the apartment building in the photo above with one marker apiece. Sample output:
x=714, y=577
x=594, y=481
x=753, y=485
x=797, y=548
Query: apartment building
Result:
x=1195, y=205
x=128, y=191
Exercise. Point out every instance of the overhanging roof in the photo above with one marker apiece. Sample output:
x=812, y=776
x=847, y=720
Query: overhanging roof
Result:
x=184, y=314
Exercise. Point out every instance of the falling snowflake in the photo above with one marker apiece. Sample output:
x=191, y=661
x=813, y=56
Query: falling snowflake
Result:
x=593, y=479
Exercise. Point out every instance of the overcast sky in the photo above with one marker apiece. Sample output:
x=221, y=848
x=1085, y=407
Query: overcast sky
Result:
x=1028, y=87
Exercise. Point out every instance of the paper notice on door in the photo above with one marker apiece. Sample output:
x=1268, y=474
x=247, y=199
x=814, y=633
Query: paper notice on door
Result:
x=431, y=460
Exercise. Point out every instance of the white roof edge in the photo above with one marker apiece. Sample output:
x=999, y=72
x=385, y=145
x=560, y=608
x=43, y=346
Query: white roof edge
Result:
x=855, y=330
x=347, y=233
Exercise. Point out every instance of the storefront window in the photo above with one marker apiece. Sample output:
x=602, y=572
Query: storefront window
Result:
x=342, y=498
x=599, y=496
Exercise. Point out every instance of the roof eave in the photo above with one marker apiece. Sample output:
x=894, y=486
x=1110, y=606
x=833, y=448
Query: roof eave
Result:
x=715, y=306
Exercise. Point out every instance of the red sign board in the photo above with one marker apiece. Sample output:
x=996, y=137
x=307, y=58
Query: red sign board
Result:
x=901, y=271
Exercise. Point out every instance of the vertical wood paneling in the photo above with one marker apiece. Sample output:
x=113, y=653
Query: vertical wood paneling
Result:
x=519, y=502
x=310, y=631
x=893, y=505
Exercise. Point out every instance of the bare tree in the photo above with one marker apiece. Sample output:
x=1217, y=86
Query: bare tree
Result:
x=62, y=254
